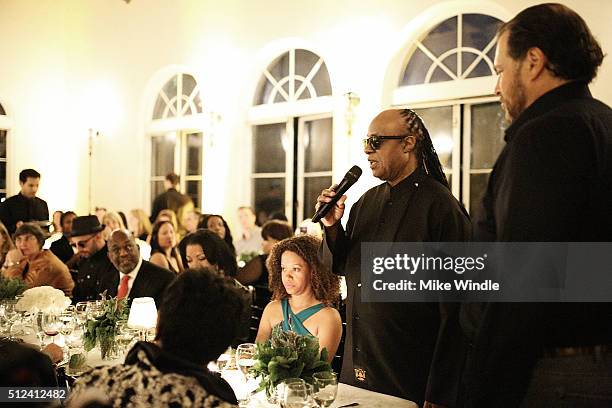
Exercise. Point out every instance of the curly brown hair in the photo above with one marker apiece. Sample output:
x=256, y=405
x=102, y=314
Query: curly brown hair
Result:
x=325, y=285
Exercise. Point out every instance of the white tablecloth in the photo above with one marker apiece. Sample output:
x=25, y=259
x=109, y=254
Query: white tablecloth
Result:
x=346, y=394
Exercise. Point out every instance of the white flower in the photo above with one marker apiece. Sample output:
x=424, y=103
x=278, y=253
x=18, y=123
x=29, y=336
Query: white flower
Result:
x=43, y=299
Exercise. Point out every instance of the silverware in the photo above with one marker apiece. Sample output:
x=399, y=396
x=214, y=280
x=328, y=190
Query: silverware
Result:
x=352, y=404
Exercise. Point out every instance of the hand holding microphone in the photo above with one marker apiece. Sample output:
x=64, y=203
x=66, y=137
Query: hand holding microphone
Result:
x=330, y=203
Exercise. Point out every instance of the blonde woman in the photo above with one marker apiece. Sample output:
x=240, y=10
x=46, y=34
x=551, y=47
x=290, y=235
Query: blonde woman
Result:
x=112, y=221
x=139, y=224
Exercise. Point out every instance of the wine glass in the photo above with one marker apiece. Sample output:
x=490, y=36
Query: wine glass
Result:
x=325, y=387
x=94, y=309
x=51, y=325
x=125, y=335
x=245, y=354
x=297, y=395
x=81, y=312
x=68, y=323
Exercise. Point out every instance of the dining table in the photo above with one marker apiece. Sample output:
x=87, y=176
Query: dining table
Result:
x=348, y=396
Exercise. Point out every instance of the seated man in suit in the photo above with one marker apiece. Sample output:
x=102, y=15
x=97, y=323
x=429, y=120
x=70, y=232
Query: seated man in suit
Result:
x=136, y=277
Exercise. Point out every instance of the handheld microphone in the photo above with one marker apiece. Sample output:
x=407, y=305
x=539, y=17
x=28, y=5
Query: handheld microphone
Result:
x=349, y=179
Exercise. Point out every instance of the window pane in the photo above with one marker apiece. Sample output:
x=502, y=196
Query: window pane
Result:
x=439, y=123
x=2, y=175
x=194, y=190
x=194, y=154
x=487, y=134
x=478, y=186
x=2, y=111
x=478, y=30
x=157, y=187
x=268, y=151
x=317, y=140
x=189, y=83
x=269, y=197
x=171, y=88
x=416, y=69
x=321, y=81
x=312, y=189
x=198, y=102
x=304, y=61
x=158, y=111
x=162, y=155
x=3, y=144
x=442, y=38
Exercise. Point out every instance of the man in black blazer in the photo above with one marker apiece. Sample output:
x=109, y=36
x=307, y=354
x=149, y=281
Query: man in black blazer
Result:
x=136, y=277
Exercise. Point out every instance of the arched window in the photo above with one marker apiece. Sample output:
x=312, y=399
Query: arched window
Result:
x=293, y=76
x=176, y=136
x=448, y=78
x=460, y=47
x=292, y=131
x=179, y=97
x=4, y=125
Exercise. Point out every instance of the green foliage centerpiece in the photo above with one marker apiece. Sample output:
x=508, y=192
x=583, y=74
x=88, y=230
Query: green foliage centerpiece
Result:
x=288, y=355
x=11, y=287
x=102, y=330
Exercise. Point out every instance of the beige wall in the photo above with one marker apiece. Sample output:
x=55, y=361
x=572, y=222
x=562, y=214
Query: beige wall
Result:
x=68, y=65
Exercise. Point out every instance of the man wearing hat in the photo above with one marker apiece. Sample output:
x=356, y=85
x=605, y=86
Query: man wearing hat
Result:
x=96, y=266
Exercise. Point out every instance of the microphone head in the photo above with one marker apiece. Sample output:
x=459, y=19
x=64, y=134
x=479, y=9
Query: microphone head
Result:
x=353, y=174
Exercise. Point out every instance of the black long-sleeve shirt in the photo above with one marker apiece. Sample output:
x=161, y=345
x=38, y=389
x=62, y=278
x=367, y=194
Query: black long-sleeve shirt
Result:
x=20, y=208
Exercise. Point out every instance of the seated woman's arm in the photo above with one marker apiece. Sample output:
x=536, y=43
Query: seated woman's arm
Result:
x=250, y=272
x=329, y=332
x=265, y=323
x=159, y=260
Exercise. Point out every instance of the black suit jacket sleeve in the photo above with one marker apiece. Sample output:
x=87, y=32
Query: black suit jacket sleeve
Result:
x=151, y=281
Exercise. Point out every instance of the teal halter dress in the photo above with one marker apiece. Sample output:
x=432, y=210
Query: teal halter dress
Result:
x=293, y=321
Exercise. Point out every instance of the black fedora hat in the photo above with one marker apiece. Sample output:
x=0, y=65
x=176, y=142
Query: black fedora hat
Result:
x=85, y=225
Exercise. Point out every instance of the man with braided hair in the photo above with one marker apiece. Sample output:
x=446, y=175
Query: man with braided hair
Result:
x=389, y=346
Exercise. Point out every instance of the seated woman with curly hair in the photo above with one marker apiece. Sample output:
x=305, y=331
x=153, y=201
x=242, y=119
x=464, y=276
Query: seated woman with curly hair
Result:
x=303, y=292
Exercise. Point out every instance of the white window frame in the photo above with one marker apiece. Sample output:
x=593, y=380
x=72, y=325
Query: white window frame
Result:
x=180, y=126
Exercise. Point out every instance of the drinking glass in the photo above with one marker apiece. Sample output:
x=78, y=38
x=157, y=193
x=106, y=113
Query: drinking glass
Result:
x=280, y=389
x=94, y=309
x=81, y=312
x=125, y=336
x=51, y=325
x=245, y=354
x=325, y=388
x=297, y=396
x=68, y=320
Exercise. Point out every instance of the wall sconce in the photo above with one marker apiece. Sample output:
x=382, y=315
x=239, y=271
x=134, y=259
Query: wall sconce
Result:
x=352, y=102
x=211, y=129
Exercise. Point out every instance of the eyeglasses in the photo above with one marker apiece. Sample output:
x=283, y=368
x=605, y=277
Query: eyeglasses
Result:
x=376, y=141
x=83, y=243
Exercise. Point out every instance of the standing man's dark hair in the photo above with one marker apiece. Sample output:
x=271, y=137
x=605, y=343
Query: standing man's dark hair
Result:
x=173, y=179
x=562, y=35
x=28, y=173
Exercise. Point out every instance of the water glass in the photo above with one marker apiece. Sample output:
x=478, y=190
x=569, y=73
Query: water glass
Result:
x=297, y=396
x=51, y=325
x=325, y=388
x=245, y=354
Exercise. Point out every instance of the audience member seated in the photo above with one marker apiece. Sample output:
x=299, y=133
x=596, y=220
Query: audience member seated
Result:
x=6, y=243
x=191, y=221
x=61, y=247
x=95, y=267
x=255, y=272
x=100, y=213
x=35, y=266
x=204, y=249
x=218, y=225
x=167, y=215
x=249, y=239
x=112, y=221
x=24, y=366
x=164, y=252
x=139, y=224
x=197, y=320
x=303, y=292
x=136, y=277
x=57, y=221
